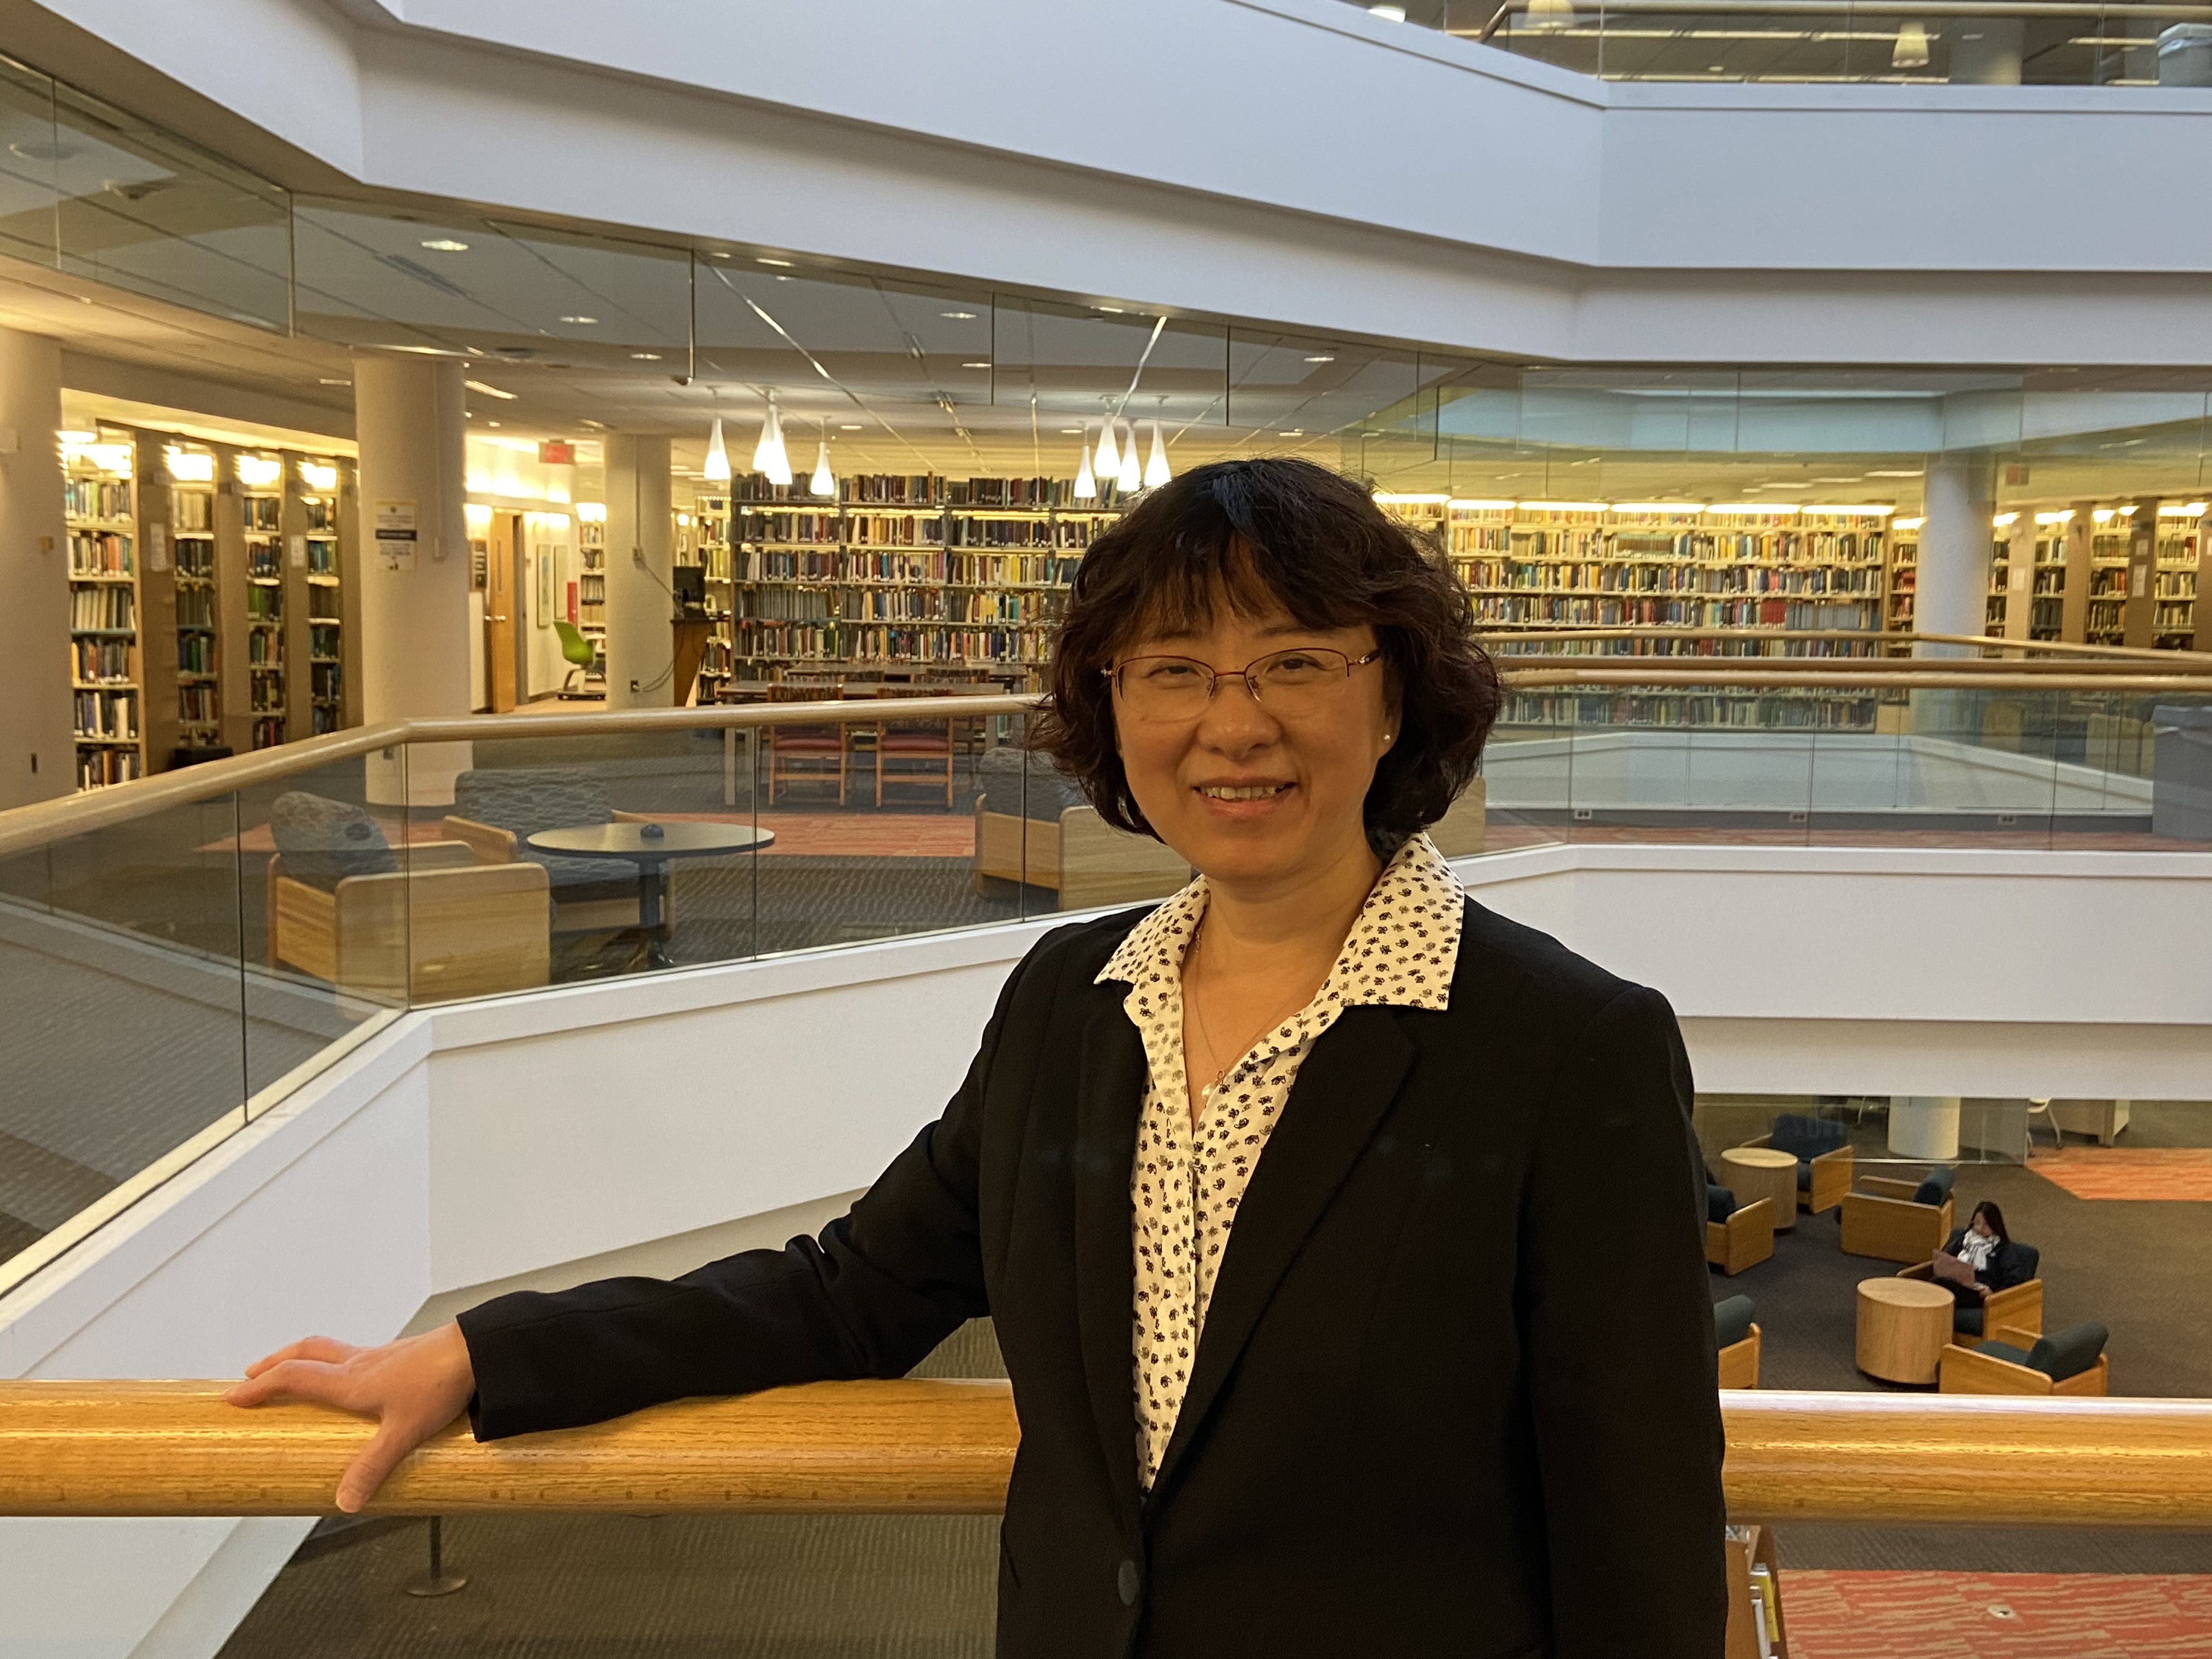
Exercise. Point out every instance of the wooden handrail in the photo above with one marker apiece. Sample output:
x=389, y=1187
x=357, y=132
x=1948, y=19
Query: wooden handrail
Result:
x=947, y=1448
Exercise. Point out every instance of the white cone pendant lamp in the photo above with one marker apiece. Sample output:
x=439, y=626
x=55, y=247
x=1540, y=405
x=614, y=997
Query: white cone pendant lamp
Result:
x=1109, y=458
x=1155, y=467
x=1087, y=486
x=824, y=482
x=1130, y=474
x=769, y=458
x=716, y=469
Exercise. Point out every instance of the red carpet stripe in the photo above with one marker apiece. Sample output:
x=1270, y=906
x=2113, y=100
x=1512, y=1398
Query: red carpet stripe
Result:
x=2017, y=1615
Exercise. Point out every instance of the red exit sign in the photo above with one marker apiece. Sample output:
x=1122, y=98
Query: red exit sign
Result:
x=556, y=451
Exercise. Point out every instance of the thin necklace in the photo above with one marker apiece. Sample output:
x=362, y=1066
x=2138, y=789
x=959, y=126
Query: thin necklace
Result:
x=1205, y=1029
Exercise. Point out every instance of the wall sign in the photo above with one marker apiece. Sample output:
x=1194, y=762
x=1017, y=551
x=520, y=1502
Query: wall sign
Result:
x=395, y=535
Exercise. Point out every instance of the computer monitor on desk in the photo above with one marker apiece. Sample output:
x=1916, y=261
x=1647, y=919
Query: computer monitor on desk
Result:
x=690, y=587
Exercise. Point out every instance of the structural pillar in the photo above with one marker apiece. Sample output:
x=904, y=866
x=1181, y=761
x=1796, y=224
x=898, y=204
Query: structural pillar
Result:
x=641, y=559
x=409, y=416
x=38, y=748
x=2139, y=614
x=1952, y=586
x=2074, y=616
x=1924, y=1126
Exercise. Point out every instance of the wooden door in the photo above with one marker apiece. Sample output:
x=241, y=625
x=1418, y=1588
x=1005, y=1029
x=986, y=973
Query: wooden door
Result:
x=500, y=596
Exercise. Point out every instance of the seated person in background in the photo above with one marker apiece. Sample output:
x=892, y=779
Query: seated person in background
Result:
x=1980, y=1257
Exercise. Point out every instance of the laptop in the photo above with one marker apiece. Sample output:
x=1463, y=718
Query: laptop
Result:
x=1952, y=1270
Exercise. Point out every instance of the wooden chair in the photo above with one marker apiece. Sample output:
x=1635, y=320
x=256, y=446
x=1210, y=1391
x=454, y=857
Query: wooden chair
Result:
x=2020, y=1362
x=1736, y=1337
x=444, y=926
x=815, y=752
x=924, y=748
x=1737, y=1238
x=2019, y=1306
x=1824, y=1157
x=1897, y=1220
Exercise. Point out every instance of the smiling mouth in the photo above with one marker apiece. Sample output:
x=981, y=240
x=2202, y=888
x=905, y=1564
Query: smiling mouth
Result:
x=1242, y=790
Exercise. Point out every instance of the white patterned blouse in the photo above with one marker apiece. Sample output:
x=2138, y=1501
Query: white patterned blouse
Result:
x=1185, y=1184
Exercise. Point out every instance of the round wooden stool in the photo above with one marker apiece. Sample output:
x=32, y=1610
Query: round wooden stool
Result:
x=1755, y=1172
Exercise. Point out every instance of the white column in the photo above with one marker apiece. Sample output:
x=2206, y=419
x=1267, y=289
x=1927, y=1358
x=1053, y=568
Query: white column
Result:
x=640, y=556
x=409, y=416
x=1952, y=586
x=1924, y=1126
x=38, y=753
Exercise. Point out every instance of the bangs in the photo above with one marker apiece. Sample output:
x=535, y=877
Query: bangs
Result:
x=1185, y=583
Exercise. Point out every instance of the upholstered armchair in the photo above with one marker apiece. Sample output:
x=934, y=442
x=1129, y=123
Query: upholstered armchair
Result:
x=1897, y=1220
x=1736, y=1239
x=2017, y=1307
x=497, y=809
x=1737, y=1339
x=342, y=908
x=2068, y=1362
x=1823, y=1151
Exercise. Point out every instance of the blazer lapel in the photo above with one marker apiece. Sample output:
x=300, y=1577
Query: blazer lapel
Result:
x=1343, y=1088
x=1109, y=1095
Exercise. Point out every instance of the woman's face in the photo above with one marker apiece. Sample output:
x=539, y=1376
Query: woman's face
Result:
x=1982, y=1229
x=1247, y=793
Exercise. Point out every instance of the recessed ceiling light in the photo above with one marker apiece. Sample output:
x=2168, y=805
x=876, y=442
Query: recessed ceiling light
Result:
x=490, y=391
x=645, y=356
x=579, y=320
x=974, y=365
x=446, y=245
x=1324, y=359
x=958, y=316
x=771, y=261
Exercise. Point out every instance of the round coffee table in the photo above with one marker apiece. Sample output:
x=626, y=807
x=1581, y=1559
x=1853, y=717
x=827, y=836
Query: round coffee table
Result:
x=651, y=847
x=1903, y=1329
x=1757, y=1172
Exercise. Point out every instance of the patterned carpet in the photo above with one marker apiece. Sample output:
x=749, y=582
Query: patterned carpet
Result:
x=1973, y=1616
x=2128, y=1173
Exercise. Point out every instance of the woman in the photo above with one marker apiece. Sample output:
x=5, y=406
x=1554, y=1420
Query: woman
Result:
x=1344, y=1240
x=1988, y=1251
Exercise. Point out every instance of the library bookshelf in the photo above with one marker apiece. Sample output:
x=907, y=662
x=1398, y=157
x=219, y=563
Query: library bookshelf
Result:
x=240, y=599
x=592, y=578
x=108, y=665
x=916, y=574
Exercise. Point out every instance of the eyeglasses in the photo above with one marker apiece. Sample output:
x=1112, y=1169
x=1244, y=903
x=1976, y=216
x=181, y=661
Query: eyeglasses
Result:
x=1289, y=683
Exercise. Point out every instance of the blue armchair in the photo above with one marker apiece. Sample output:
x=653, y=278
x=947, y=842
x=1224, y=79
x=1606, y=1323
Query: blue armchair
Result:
x=1823, y=1151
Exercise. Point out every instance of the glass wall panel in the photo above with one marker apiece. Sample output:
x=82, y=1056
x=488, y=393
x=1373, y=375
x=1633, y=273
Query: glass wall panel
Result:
x=30, y=151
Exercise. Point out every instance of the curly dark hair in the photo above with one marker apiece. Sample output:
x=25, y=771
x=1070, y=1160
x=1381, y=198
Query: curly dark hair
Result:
x=1259, y=533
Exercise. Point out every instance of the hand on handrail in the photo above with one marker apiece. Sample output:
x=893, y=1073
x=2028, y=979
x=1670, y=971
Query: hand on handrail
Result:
x=413, y=1388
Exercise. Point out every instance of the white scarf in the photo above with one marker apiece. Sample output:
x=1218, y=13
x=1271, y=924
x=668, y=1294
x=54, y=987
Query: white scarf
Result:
x=1974, y=1249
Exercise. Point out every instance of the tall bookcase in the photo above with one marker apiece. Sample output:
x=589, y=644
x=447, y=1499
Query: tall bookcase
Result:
x=319, y=554
x=188, y=502
x=260, y=497
x=106, y=661
x=912, y=573
x=592, y=574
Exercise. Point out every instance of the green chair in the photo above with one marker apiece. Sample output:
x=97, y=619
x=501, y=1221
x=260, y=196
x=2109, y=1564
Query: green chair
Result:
x=579, y=652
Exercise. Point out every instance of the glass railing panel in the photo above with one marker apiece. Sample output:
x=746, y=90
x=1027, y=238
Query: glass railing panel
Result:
x=29, y=150
x=1528, y=771
x=324, y=857
x=120, y=950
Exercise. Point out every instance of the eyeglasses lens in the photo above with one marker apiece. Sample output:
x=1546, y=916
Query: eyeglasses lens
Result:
x=1288, y=684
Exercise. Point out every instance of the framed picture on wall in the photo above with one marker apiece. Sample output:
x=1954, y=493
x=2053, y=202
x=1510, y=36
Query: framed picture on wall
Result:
x=542, y=613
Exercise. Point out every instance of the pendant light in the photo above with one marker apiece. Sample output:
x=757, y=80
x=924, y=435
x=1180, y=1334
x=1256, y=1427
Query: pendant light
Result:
x=769, y=458
x=1155, y=467
x=1911, y=49
x=1109, y=458
x=1087, y=486
x=1130, y=474
x=716, y=469
x=824, y=482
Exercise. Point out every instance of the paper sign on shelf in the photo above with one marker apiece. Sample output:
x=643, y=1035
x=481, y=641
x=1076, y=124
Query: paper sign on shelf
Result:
x=296, y=545
x=157, y=546
x=395, y=534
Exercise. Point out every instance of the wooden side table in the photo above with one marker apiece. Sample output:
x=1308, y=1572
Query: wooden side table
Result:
x=1755, y=1172
x=1903, y=1325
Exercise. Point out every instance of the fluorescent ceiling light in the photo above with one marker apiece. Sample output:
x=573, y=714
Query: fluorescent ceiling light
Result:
x=2002, y=519
x=592, y=512
x=1390, y=14
x=958, y=316
x=579, y=320
x=1755, y=509
x=333, y=380
x=850, y=427
x=974, y=365
x=318, y=475
x=1387, y=498
x=446, y=245
x=189, y=466
x=78, y=439
x=1859, y=511
x=771, y=261
x=2181, y=509
x=1567, y=507
x=645, y=356
x=259, y=471
x=1321, y=359
x=1469, y=504
x=1906, y=524
x=2102, y=515
x=1897, y=472
x=1659, y=508
x=2063, y=517
x=490, y=391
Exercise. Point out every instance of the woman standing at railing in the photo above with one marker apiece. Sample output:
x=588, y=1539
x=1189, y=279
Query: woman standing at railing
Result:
x=1343, y=1238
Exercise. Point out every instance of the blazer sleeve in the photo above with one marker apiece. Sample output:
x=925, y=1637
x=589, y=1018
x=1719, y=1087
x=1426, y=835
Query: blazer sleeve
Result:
x=1951, y=1244
x=880, y=1287
x=1616, y=1318
x=2006, y=1269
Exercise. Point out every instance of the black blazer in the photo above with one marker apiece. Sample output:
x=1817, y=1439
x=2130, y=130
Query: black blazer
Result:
x=2008, y=1265
x=1455, y=1392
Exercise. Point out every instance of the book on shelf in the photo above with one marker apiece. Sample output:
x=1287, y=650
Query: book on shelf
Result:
x=108, y=608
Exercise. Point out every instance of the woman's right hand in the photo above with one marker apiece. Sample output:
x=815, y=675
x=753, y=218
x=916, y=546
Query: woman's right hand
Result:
x=413, y=1388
